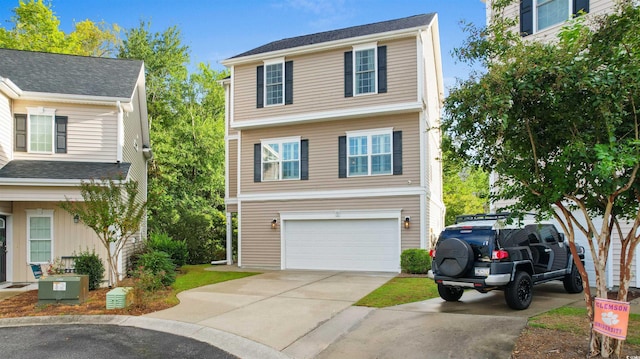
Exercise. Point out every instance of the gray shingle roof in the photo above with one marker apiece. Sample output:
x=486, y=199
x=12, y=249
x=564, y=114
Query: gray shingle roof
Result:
x=28, y=169
x=68, y=74
x=355, y=31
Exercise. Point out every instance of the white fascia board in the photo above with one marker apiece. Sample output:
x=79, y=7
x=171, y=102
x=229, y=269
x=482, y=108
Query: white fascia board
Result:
x=341, y=214
x=9, y=88
x=405, y=107
x=309, y=195
x=67, y=98
x=39, y=182
x=328, y=45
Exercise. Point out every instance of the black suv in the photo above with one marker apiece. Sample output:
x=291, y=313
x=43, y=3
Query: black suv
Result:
x=485, y=253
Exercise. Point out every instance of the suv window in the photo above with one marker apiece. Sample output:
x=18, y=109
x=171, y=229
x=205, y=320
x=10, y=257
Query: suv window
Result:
x=548, y=234
x=481, y=239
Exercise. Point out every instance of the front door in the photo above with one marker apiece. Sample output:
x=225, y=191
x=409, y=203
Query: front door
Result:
x=3, y=249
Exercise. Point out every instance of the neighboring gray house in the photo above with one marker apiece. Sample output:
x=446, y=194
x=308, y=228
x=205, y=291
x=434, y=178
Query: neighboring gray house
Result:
x=332, y=147
x=63, y=119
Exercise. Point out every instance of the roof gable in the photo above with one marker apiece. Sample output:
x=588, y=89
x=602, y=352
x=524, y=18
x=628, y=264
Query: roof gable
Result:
x=68, y=74
x=341, y=34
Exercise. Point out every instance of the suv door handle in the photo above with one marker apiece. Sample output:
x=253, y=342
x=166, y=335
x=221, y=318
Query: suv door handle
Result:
x=547, y=250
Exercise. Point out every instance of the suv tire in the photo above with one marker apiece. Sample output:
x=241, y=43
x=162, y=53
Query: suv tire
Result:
x=519, y=293
x=450, y=294
x=573, y=281
x=454, y=257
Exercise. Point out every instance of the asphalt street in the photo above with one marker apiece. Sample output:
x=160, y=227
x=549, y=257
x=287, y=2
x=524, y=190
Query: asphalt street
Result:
x=100, y=342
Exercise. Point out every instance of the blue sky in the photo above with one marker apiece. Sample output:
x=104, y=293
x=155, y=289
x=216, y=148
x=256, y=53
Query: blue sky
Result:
x=215, y=30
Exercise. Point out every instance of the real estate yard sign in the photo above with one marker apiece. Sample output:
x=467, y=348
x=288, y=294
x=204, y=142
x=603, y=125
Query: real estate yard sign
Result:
x=611, y=318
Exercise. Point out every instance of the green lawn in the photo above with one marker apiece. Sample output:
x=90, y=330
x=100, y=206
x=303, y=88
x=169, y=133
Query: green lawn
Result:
x=400, y=290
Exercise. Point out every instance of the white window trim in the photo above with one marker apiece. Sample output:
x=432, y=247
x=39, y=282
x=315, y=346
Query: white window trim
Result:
x=279, y=60
x=41, y=111
x=369, y=133
x=362, y=47
x=279, y=141
x=39, y=213
x=535, y=16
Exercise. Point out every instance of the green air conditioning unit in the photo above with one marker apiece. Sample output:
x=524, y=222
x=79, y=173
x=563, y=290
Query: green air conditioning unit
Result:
x=117, y=298
x=63, y=289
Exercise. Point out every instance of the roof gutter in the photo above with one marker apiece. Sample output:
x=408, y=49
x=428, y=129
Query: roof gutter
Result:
x=385, y=36
x=33, y=182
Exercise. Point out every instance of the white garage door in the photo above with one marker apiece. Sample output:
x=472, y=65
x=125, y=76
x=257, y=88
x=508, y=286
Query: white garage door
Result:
x=345, y=244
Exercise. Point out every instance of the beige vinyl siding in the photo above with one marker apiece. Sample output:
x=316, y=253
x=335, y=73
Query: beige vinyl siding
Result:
x=323, y=155
x=68, y=237
x=232, y=208
x=318, y=83
x=132, y=148
x=91, y=132
x=596, y=7
x=232, y=175
x=261, y=245
x=39, y=193
x=616, y=247
x=6, y=207
x=6, y=130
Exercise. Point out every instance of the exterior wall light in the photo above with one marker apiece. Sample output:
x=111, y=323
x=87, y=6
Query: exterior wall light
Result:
x=407, y=222
x=76, y=218
x=274, y=223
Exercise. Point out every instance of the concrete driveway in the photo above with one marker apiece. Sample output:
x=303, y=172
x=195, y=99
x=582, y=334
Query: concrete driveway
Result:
x=309, y=314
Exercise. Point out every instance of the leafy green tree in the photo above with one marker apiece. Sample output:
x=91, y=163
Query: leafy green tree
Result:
x=37, y=28
x=111, y=209
x=465, y=187
x=558, y=122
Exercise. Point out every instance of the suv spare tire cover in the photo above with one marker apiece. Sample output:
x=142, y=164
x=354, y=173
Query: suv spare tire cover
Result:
x=454, y=257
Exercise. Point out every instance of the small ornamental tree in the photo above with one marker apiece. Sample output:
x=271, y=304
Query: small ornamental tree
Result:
x=111, y=209
x=559, y=123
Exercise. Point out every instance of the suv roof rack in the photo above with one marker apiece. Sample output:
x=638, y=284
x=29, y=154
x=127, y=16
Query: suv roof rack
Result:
x=481, y=216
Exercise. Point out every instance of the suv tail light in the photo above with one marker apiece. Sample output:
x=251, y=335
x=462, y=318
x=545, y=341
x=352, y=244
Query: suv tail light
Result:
x=500, y=254
x=432, y=253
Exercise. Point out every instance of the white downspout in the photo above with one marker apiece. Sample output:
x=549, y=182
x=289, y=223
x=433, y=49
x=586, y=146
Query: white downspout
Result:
x=120, y=129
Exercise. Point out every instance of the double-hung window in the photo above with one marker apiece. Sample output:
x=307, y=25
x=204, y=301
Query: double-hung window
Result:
x=274, y=83
x=365, y=70
x=281, y=159
x=40, y=236
x=370, y=153
x=41, y=130
x=538, y=15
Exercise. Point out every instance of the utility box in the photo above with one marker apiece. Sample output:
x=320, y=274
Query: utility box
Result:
x=117, y=298
x=63, y=289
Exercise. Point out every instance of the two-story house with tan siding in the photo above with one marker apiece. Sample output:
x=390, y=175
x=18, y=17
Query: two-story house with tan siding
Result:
x=541, y=20
x=63, y=119
x=333, y=147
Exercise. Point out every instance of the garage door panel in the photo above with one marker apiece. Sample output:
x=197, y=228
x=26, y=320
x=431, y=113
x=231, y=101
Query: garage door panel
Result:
x=367, y=244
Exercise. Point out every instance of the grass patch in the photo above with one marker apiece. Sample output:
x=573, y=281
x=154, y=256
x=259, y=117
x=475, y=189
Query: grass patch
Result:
x=400, y=291
x=574, y=320
x=194, y=276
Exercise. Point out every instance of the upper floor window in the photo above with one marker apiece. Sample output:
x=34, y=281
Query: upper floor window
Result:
x=39, y=236
x=281, y=159
x=274, y=83
x=365, y=70
x=537, y=15
x=369, y=153
x=40, y=131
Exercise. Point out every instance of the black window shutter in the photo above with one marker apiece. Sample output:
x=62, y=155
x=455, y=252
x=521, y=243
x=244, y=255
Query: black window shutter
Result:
x=580, y=5
x=526, y=17
x=61, y=134
x=382, y=69
x=304, y=159
x=260, y=87
x=257, y=162
x=342, y=157
x=288, y=82
x=397, y=152
x=348, y=74
x=21, y=133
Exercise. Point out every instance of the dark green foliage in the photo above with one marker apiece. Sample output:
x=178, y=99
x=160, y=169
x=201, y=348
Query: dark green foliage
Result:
x=415, y=261
x=177, y=250
x=159, y=264
x=90, y=264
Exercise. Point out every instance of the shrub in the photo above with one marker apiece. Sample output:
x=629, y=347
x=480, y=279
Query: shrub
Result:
x=415, y=261
x=90, y=264
x=176, y=249
x=160, y=265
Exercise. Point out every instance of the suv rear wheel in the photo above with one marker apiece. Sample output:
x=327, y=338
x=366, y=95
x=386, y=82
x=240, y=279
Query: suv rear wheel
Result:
x=519, y=293
x=572, y=281
x=450, y=294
